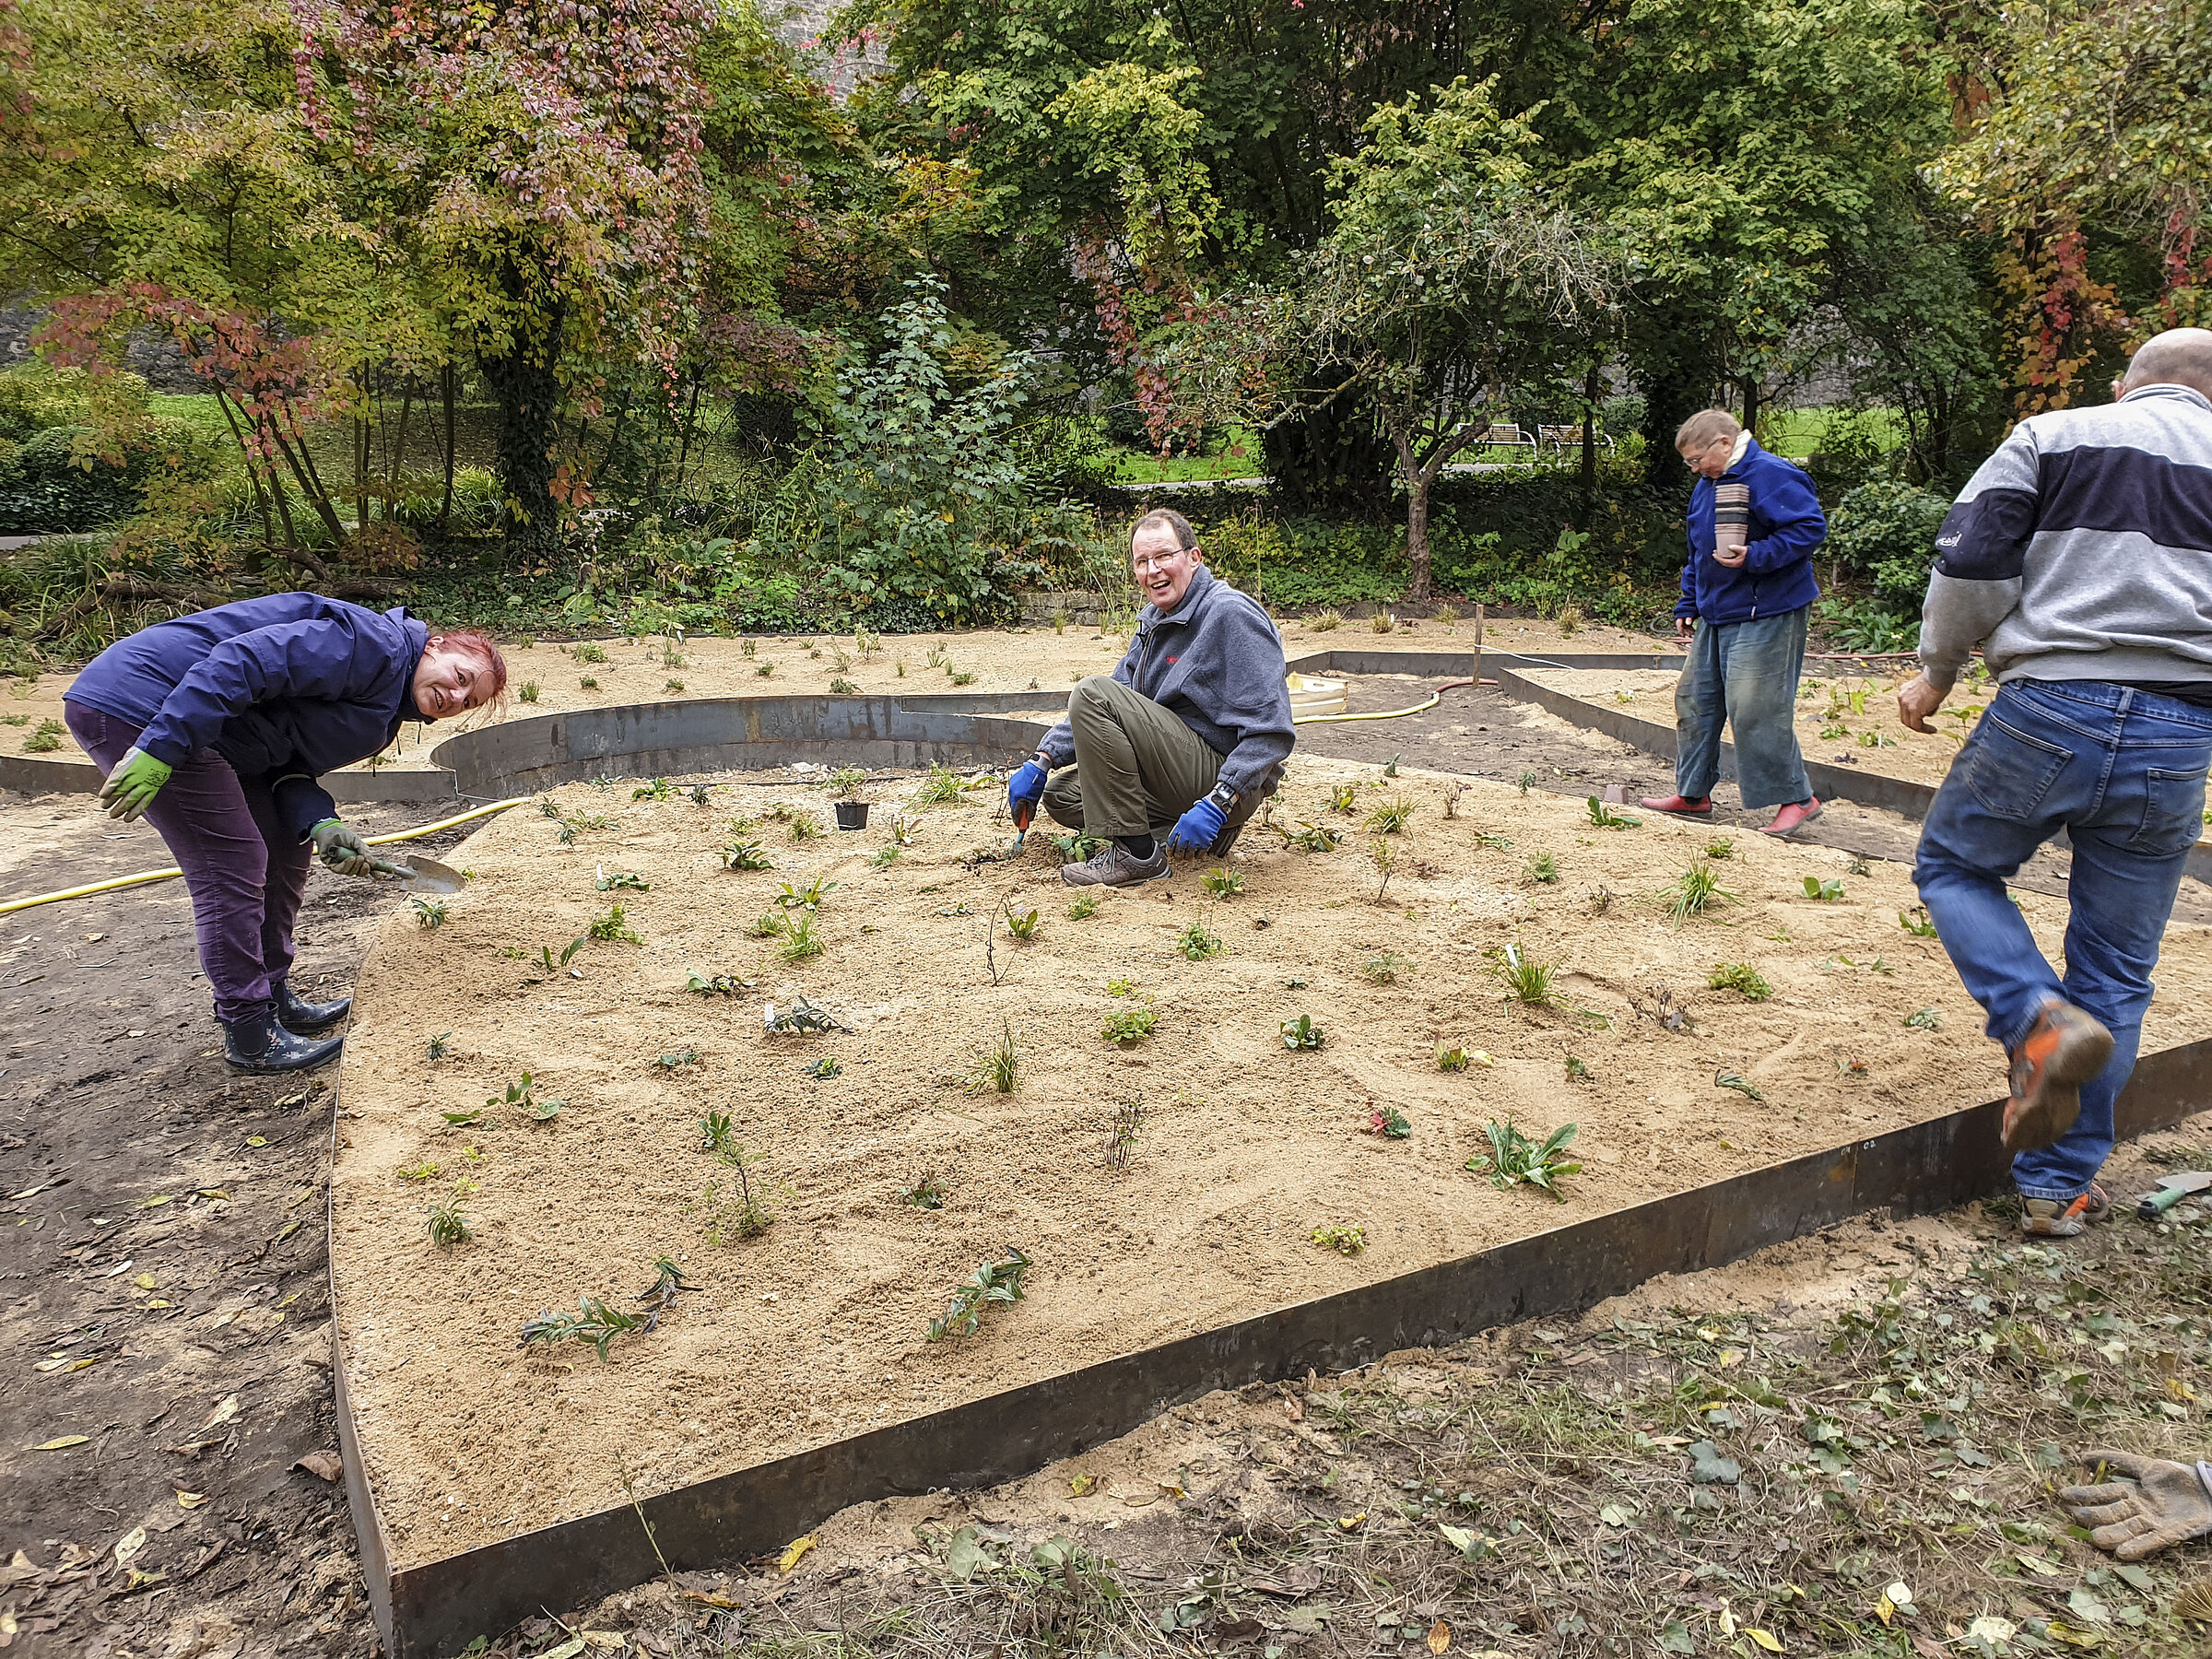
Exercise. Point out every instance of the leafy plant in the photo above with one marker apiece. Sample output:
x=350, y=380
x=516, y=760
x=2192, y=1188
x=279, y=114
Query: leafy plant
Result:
x=1696, y=891
x=1544, y=868
x=1720, y=847
x=801, y=1018
x=1344, y=798
x=927, y=1193
x=527, y=691
x=1601, y=900
x=1827, y=891
x=1130, y=1025
x=800, y=940
x=1450, y=1057
x=1923, y=1019
x=439, y=1047
x=1196, y=943
x=1915, y=921
x=1121, y=1139
x=1346, y=1240
x=1303, y=1033
x=1603, y=817
x=1526, y=978
x=1390, y=766
x=1384, y=969
x=448, y=1225
x=1452, y=793
x=678, y=1060
x=1389, y=1123
x=614, y=925
x=809, y=897
x=1022, y=927
x=964, y=677
x=1741, y=978
x=765, y=670
x=995, y=1284
x=1858, y=866
x=623, y=881
x=1078, y=848
x=768, y=924
x=429, y=914
x=1384, y=857
x=738, y=853
x=823, y=1069
x=1221, y=884
x=548, y=964
x=1084, y=908
x=1735, y=1081
x=702, y=794
x=588, y=652
x=845, y=782
x=841, y=686
x=46, y=739
x=941, y=784
x=1528, y=781
x=998, y=1069
x=805, y=826
x=1515, y=1160
x=1392, y=817
x=594, y=1323
x=883, y=858
x=1310, y=838
x=421, y=1170
x=660, y=789
x=1576, y=1071
x=588, y=683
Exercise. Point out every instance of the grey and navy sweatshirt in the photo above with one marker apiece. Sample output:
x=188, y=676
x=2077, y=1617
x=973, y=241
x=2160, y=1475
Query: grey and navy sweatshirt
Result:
x=2082, y=549
x=1216, y=662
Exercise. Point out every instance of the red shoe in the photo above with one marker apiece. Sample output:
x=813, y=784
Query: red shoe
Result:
x=1792, y=815
x=1679, y=805
x=2064, y=1049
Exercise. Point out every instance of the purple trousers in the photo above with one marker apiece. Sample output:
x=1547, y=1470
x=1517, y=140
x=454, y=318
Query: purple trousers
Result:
x=244, y=873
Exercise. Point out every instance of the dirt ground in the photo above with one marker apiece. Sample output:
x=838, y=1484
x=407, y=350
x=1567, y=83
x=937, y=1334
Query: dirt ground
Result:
x=469, y=1442
x=548, y=676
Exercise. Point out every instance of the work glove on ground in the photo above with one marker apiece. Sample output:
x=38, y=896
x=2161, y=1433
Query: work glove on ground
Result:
x=1196, y=830
x=1026, y=787
x=130, y=789
x=2167, y=1504
x=342, y=848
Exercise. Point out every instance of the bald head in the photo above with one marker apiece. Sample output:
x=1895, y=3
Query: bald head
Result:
x=2180, y=357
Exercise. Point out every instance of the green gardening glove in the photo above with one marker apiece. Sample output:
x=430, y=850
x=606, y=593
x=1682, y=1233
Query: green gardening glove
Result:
x=341, y=847
x=130, y=789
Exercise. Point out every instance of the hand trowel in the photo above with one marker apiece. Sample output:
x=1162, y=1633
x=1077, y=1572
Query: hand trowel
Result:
x=2172, y=1190
x=420, y=875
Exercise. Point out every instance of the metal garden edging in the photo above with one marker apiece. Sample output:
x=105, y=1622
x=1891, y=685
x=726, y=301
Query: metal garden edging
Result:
x=436, y=1609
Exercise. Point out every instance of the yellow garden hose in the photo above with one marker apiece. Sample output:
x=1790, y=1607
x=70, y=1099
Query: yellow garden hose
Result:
x=1434, y=698
x=146, y=875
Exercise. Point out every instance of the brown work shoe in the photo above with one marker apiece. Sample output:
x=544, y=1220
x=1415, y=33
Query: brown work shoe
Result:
x=2064, y=1218
x=2064, y=1049
x=1114, y=867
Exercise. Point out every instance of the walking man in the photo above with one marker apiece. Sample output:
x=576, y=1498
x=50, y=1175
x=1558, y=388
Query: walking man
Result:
x=1182, y=742
x=2078, y=553
x=1746, y=592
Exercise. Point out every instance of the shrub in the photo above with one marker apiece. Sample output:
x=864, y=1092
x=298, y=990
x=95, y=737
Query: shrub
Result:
x=1887, y=530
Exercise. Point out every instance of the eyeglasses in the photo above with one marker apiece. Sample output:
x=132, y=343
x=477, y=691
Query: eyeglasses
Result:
x=1156, y=561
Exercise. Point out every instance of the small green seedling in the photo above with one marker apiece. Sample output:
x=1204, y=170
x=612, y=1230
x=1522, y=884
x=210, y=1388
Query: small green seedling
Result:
x=1023, y=927
x=1923, y=1019
x=467, y=1119
x=588, y=652
x=1696, y=891
x=841, y=686
x=621, y=881
x=1720, y=848
x=927, y=1193
x=449, y=1225
x=1348, y=1240
x=809, y=897
x=768, y=924
x=883, y=858
x=716, y=1134
x=937, y=659
x=1389, y=1123
x=1858, y=866
x=1384, y=857
x=1526, y=978
x=440, y=1047
x=1122, y=987
x=941, y=784
x=805, y=826
x=1452, y=793
x=677, y=1061
x=995, y=1284
x=1344, y=798
x=800, y=940
x=1078, y=848
x=527, y=691
x=594, y=1323
x=1528, y=781
x=660, y=789
x=1916, y=922
x=1390, y=766
x=547, y=807
x=1131, y=1024
x=1083, y=909
x=614, y=925
x=1514, y=1158
x=1544, y=869
x=1383, y=969
x=963, y=678
x=1576, y=1071
x=1827, y=891
x=421, y=1170
x=802, y=1018
x=1310, y=838
x=1451, y=1057
x=825, y=1068
x=738, y=853
x=1121, y=1140
x=1303, y=1033
x=845, y=782
x=1393, y=819
x=998, y=1069
x=1222, y=884
x=429, y=914
x=1741, y=978
x=1196, y=943
x=1603, y=817
x=588, y=683
x=765, y=670
x=1735, y=1081
x=702, y=794
x=668, y=1282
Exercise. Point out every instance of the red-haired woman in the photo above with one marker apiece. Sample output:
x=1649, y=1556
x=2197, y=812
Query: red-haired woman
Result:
x=217, y=726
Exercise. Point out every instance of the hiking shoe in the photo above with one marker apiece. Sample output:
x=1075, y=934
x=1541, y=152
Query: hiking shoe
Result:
x=2064, y=1049
x=258, y=1046
x=1681, y=805
x=1116, y=869
x=2064, y=1218
x=1792, y=815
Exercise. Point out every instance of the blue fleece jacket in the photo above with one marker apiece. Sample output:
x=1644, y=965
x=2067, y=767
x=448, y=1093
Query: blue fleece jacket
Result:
x=284, y=689
x=1216, y=662
x=1786, y=525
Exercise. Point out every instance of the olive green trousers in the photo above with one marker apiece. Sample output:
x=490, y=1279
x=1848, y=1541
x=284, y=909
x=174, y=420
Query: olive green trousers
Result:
x=1138, y=767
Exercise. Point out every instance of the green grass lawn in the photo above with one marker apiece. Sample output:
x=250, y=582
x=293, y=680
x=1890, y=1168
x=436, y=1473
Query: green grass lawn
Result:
x=1796, y=433
x=1237, y=456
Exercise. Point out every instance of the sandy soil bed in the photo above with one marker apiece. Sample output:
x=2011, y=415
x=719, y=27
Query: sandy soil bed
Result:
x=1849, y=720
x=815, y=1330
x=640, y=670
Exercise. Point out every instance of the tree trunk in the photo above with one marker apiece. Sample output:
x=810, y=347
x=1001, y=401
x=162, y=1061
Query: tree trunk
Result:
x=1674, y=387
x=399, y=454
x=445, y=507
x=1751, y=390
x=1419, y=589
x=528, y=389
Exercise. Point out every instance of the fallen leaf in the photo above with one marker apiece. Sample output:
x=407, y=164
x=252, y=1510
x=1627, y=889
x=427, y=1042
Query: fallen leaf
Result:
x=2056, y=1631
x=609, y=1641
x=257, y=1140
x=1352, y=1522
x=567, y=1650
x=193, y=1447
x=1081, y=1485
x=63, y=1444
x=1898, y=1594
x=155, y=1202
x=1294, y=1409
x=323, y=1465
x=213, y=1192
x=225, y=1410
x=94, y=939
x=1440, y=1637
x=138, y=1580
x=1884, y=1608
x=191, y=1499
x=54, y=1364
x=794, y=1553
x=129, y=1545
x=157, y=1302
x=144, y=1281
x=2179, y=1389
x=1168, y=1489
x=1731, y=1357
x=1766, y=1639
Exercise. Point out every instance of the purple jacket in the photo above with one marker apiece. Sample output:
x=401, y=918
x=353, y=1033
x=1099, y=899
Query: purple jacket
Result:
x=284, y=689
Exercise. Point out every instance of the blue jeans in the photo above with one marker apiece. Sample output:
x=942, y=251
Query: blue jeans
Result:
x=1744, y=675
x=2123, y=773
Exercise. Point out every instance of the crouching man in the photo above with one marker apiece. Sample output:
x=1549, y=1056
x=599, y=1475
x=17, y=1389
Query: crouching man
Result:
x=1176, y=747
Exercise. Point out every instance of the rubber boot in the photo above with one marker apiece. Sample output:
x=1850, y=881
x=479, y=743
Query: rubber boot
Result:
x=305, y=1019
x=259, y=1045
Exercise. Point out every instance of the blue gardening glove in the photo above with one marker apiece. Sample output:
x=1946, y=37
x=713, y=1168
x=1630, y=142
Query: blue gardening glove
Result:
x=1196, y=830
x=1026, y=787
x=130, y=789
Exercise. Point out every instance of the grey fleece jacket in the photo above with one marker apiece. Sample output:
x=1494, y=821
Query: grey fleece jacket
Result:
x=2082, y=549
x=1216, y=662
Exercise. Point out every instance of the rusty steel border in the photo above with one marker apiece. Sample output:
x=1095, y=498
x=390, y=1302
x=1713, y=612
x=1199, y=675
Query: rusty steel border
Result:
x=435, y=1608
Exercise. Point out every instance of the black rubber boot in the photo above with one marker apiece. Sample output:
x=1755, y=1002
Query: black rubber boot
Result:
x=305, y=1019
x=257, y=1045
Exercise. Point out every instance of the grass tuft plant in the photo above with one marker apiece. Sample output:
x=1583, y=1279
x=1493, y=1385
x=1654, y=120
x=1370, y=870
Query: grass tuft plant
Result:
x=1196, y=943
x=940, y=785
x=1384, y=969
x=1514, y=1159
x=429, y=914
x=998, y=1069
x=448, y=1225
x=1392, y=817
x=1544, y=869
x=800, y=940
x=1695, y=891
x=1526, y=980
x=1916, y=922
x=1084, y=908
x=738, y=853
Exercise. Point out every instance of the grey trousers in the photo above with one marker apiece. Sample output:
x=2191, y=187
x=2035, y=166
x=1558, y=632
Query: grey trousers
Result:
x=1138, y=767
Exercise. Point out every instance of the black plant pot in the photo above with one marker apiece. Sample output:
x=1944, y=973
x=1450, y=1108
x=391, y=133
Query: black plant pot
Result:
x=851, y=815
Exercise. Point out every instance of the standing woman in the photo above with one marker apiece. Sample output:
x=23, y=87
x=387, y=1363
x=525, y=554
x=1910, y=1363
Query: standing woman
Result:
x=216, y=728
